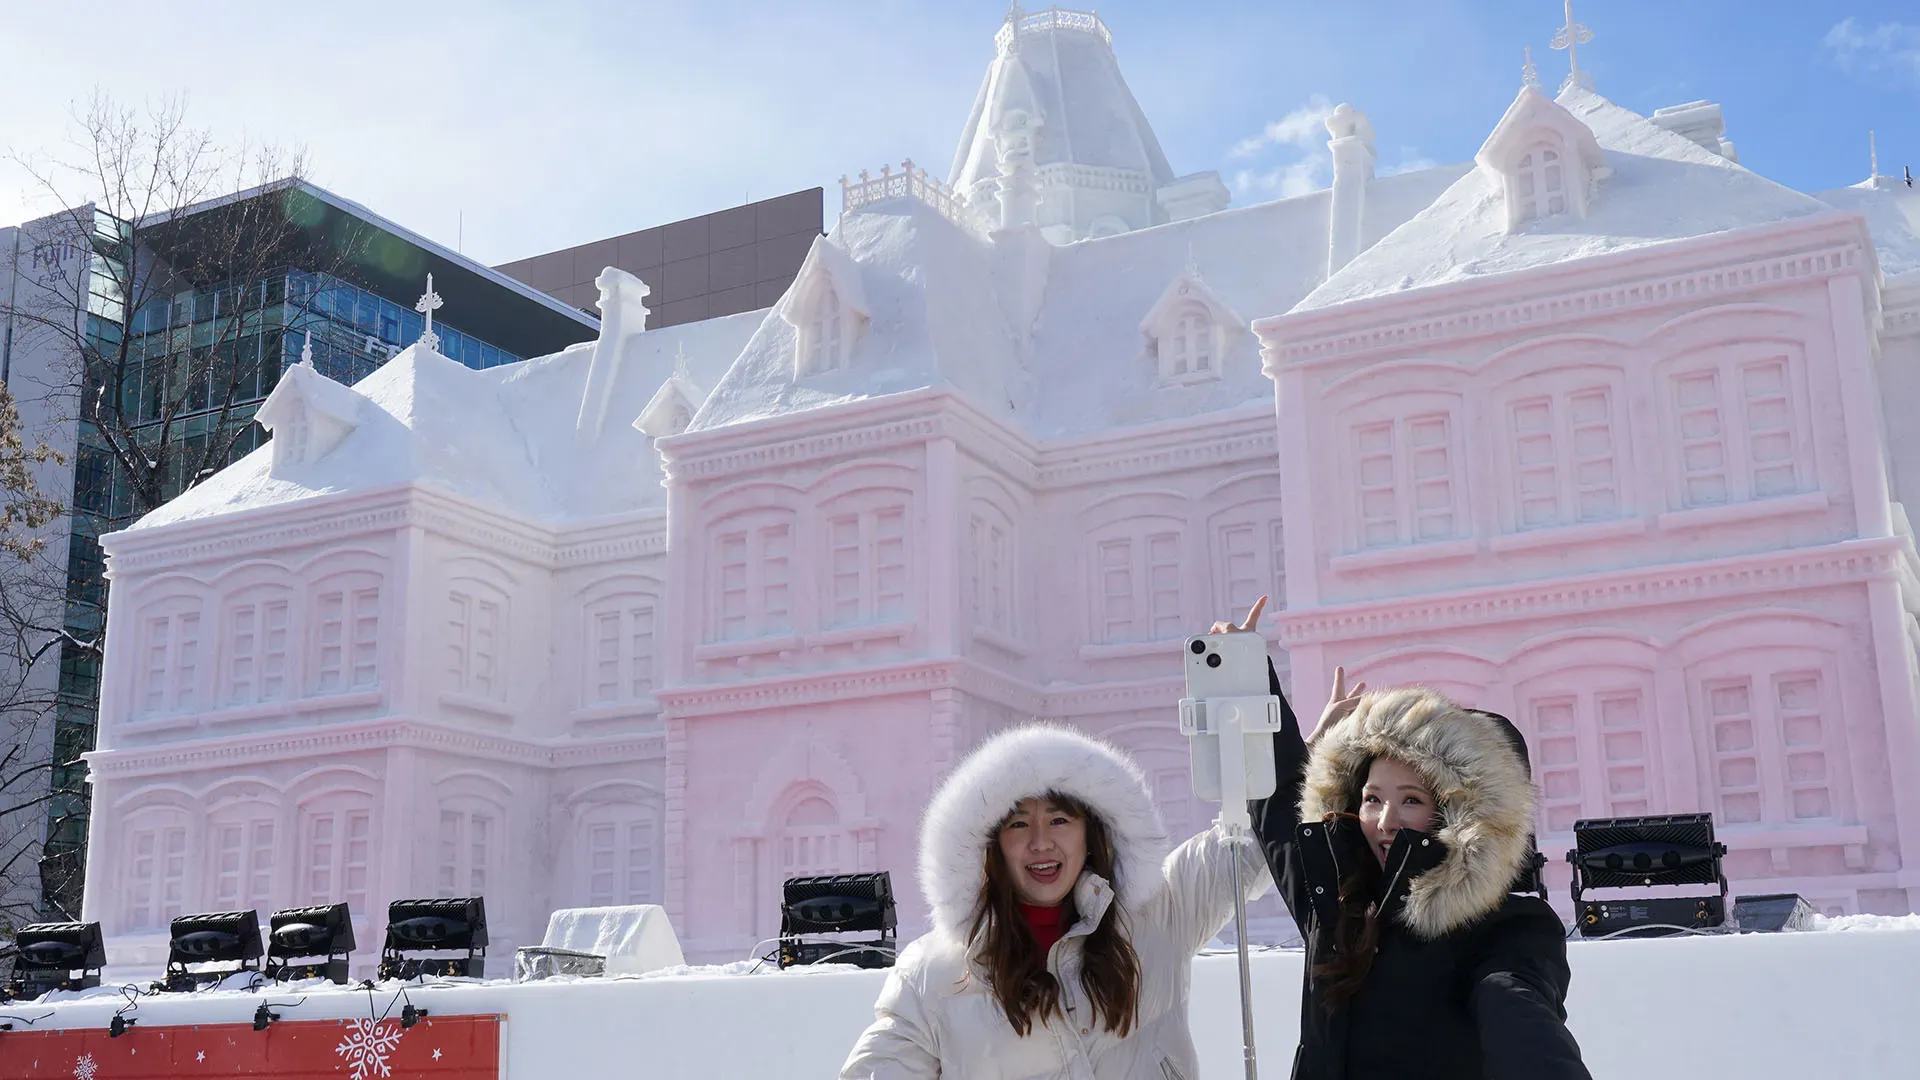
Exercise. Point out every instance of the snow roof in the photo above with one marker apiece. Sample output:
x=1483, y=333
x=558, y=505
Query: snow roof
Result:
x=939, y=301
x=1892, y=210
x=504, y=437
x=1664, y=187
x=1090, y=354
x=935, y=319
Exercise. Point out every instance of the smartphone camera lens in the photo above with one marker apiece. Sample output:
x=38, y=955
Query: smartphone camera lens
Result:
x=1213, y=660
x=1197, y=646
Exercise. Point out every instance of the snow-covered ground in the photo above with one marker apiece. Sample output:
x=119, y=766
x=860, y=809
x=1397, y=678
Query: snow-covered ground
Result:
x=1757, y=1006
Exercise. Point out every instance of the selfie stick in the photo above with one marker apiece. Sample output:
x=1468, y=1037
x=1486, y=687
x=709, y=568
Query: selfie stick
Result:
x=1233, y=719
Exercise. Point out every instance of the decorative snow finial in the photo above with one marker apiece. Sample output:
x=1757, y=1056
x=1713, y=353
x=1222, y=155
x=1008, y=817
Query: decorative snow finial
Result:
x=430, y=302
x=1193, y=264
x=1873, y=157
x=1570, y=37
x=1529, y=72
x=680, y=361
x=306, y=350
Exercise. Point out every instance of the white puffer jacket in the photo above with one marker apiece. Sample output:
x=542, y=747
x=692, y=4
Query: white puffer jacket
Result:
x=937, y=1017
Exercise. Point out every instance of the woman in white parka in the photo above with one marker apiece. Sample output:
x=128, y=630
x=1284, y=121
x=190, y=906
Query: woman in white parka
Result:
x=1063, y=930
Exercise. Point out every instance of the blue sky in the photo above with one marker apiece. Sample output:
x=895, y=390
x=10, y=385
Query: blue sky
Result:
x=513, y=129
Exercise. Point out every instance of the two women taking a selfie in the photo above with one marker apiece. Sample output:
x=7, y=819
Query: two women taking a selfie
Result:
x=1064, y=931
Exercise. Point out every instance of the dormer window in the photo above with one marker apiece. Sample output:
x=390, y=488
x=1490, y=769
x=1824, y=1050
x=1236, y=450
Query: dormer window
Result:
x=670, y=411
x=1187, y=332
x=821, y=335
x=1540, y=184
x=1191, y=351
x=827, y=309
x=1542, y=160
x=291, y=438
x=307, y=414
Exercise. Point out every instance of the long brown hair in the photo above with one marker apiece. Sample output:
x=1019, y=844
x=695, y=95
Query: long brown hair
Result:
x=1356, y=933
x=1016, y=967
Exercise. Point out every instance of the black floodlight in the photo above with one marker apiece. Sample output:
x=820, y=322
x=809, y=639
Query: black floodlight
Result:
x=837, y=904
x=322, y=936
x=220, y=942
x=425, y=936
x=56, y=956
x=1772, y=912
x=1645, y=853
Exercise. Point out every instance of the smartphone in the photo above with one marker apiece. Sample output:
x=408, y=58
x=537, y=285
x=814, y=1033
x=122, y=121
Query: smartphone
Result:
x=1228, y=666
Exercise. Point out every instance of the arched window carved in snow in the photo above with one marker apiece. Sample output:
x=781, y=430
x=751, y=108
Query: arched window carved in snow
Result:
x=336, y=849
x=811, y=840
x=469, y=845
x=752, y=575
x=345, y=633
x=477, y=639
x=1190, y=350
x=1540, y=183
x=257, y=637
x=620, y=647
x=154, y=869
x=242, y=868
x=172, y=656
x=821, y=334
x=619, y=855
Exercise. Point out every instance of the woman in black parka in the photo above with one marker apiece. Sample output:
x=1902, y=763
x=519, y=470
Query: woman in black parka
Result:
x=1396, y=837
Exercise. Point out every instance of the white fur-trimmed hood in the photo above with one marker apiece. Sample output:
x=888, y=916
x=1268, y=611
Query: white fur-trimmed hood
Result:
x=1017, y=764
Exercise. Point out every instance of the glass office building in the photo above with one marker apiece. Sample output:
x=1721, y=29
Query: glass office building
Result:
x=354, y=327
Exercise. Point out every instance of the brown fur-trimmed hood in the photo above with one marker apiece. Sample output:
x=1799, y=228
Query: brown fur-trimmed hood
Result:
x=1475, y=765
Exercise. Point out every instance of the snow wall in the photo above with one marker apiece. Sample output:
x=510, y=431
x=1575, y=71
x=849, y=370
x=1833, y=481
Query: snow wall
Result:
x=1760, y=1007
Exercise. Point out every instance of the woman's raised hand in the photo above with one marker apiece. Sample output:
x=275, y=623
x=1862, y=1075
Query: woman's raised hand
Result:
x=1252, y=620
x=1342, y=701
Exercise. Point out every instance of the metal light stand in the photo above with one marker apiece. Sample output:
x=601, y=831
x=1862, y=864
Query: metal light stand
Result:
x=1233, y=719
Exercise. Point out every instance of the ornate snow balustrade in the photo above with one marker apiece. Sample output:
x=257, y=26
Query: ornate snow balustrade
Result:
x=911, y=182
x=1086, y=22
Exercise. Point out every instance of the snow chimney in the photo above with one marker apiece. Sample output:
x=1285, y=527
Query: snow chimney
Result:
x=1353, y=158
x=623, y=313
x=1698, y=122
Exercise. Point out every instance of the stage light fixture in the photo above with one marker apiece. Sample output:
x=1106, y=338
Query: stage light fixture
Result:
x=230, y=939
x=1646, y=853
x=424, y=936
x=263, y=1018
x=1771, y=913
x=118, y=1026
x=322, y=936
x=410, y=1016
x=815, y=910
x=56, y=956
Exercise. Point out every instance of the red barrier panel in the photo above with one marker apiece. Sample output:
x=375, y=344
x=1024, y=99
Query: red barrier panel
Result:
x=436, y=1048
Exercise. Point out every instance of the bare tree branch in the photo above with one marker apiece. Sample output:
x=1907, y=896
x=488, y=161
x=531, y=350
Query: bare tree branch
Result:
x=160, y=300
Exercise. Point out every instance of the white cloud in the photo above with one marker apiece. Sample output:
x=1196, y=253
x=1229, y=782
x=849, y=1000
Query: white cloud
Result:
x=1304, y=127
x=1289, y=156
x=1890, y=46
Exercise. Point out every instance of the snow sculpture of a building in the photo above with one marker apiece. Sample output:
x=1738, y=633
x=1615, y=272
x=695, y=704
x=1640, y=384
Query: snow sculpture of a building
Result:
x=1608, y=441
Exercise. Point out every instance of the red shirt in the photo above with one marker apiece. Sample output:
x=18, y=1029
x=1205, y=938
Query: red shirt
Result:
x=1049, y=924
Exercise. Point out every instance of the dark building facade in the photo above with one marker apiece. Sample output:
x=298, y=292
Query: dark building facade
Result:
x=738, y=259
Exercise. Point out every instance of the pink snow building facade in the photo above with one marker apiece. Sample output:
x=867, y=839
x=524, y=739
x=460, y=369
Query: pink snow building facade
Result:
x=1601, y=430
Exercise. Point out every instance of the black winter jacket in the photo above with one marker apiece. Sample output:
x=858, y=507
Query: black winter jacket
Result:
x=1470, y=980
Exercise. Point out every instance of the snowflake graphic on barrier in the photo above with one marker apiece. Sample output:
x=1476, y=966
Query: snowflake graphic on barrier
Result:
x=367, y=1045
x=85, y=1068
